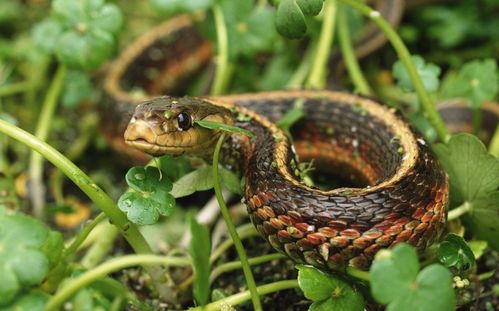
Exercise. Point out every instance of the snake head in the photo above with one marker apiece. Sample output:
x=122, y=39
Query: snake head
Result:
x=167, y=125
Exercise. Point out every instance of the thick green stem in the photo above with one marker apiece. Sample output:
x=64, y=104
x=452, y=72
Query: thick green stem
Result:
x=244, y=296
x=476, y=116
x=106, y=268
x=233, y=265
x=459, y=211
x=317, y=77
x=348, y=53
x=494, y=143
x=405, y=57
x=222, y=59
x=41, y=132
x=94, y=192
x=250, y=281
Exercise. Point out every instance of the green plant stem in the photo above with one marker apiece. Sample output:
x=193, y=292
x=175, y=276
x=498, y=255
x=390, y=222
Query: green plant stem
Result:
x=250, y=281
x=233, y=265
x=317, y=77
x=348, y=53
x=359, y=274
x=476, y=116
x=222, y=72
x=41, y=132
x=405, y=57
x=14, y=88
x=101, y=247
x=82, y=235
x=95, y=193
x=494, y=143
x=101, y=271
x=459, y=211
x=243, y=231
x=299, y=76
x=246, y=295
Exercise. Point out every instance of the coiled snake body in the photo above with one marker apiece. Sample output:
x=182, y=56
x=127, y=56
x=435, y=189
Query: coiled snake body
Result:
x=405, y=193
x=399, y=192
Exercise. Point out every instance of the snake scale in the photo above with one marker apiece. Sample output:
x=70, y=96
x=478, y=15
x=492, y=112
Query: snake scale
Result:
x=397, y=190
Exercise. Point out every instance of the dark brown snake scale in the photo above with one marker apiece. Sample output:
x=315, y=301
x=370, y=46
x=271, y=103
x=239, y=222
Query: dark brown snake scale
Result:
x=395, y=190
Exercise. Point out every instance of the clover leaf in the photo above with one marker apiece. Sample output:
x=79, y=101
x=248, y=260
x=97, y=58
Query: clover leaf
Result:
x=148, y=197
x=454, y=252
x=249, y=28
x=170, y=7
x=28, y=250
x=326, y=291
x=427, y=71
x=472, y=171
x=89, y=26
x=199, y=250
x=395, y=281
x=478, y=81
x=473, y=175
x=77, y=87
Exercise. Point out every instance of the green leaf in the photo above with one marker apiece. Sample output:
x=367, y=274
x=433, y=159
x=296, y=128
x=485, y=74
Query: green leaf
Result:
x=292, y=116
x=472, y=171
x=250, y=29
x=290, y=21
x=224, y=127
x=201, y=179
x=175, y=167
x=89, y=30
x=395, y=281
x=454, y=252
x=477, y=81
x=327, y=291
x=310, y=7
x=148, y=197
x=484, y=219
x=77, y=87
x=28, y=249
x=427, y=71
x=478, y=247
x=199, y=250
x=32, y=301
x=197, y=180
x=45, y=35
x=170, y=7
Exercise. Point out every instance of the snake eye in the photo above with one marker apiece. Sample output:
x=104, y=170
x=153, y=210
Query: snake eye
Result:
x=184, y=121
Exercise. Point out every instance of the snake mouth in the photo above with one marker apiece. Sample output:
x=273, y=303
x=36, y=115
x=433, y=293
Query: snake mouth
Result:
x=155, y=149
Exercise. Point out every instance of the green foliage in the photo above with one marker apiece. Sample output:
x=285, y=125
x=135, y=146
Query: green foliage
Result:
x=472, y=171
x=290, y=19
x=292, y=116
x=454, y=252
x=148, y=197
x=80, y=33
x=77, y=87
x=199, y=250
x=250, y=29
x=28, y=250
x=473, y=175
x=32, y=301
x=477, y=81
x=427, y=71
x=395, y=281
x=327, y=292
x=170, y=7
x=224, y=127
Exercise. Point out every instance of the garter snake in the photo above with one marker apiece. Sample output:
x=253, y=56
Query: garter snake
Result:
x=401, y=192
